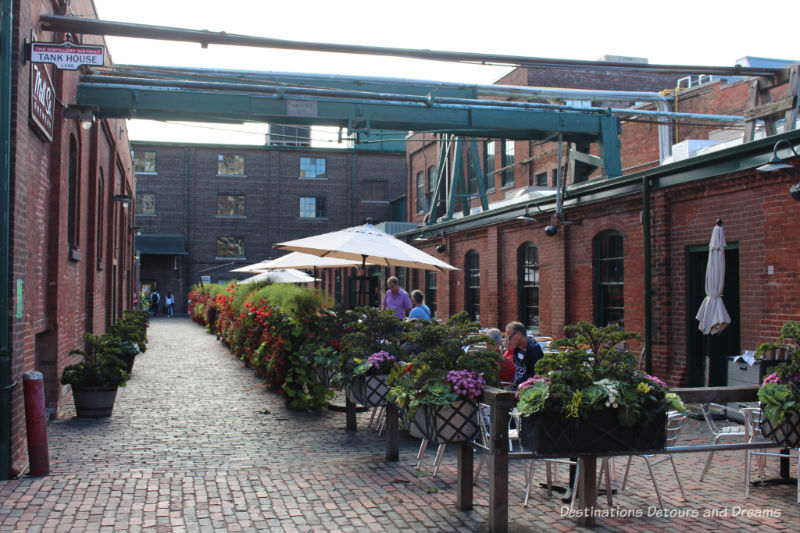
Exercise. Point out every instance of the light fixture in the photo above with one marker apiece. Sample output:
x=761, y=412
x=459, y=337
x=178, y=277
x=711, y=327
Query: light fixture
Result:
x=84, y=114
x=441, y=248
x=550, y=230
x=137, y=230
x=526, y=215
x=124, y=199
x=421, y=237
x=776, y=163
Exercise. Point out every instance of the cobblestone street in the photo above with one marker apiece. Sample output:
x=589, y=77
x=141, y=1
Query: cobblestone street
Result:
x=196, y=443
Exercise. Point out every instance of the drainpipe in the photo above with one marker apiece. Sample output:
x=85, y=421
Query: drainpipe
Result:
x=187, y=266
x=648, y=277
x=5, y=201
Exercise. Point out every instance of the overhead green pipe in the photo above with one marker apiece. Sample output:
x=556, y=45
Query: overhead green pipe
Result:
x=648, y=275
x=6, y=44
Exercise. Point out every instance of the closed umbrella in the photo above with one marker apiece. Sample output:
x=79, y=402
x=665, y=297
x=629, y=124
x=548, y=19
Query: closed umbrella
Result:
x=712, y=315
x=366, y=244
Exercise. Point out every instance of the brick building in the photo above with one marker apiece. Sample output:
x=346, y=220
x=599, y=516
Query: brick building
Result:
x=593, y=263
x=204, y=210
x=70, y=242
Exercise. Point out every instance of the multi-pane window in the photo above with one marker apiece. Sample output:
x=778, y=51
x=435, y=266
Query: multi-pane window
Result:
x=472, y=271
x=420, y=191
x=230, y=205
x=488, y=161
x=375, y=191
x=541, y=179
x=555, y=174
x=73, y=196
x=144, y=161
x=230, y=247
x=312, y=207
x=101, y=202
x=430, y=290
x=528, y=264
x=609, y=279
x=145, y=204
x=508, y=161
x=230, y=165
x=431, y=186
x=312, y=167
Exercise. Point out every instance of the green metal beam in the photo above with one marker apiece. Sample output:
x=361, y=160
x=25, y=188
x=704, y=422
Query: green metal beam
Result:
x=162, y=103
x=475, y=167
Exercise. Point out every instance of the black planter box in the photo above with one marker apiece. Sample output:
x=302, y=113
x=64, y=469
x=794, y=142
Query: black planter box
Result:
x=443, y=424
x=785, y=435
x=369, y=391
x=549, y=433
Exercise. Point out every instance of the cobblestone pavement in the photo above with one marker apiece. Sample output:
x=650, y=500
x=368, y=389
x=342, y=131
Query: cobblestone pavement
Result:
x=197, y=444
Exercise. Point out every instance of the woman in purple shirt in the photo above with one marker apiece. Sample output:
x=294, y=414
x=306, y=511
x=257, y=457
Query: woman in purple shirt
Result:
x=396, y=299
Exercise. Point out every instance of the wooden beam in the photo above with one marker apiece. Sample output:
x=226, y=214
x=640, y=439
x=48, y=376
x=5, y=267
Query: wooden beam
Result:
x=392, y=432
x=771, y=108
x=465, y=476
x=589, y=159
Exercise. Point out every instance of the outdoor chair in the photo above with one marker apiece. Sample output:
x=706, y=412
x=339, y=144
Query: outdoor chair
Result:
x=735, y=431
x=675, y=422
x=752, y=424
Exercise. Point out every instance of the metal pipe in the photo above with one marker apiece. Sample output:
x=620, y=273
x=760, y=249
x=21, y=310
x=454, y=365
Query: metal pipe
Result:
x=648, y=276
x=6, y=45
x=205, y=37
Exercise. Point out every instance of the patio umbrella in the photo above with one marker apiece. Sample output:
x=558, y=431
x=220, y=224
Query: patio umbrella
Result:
x=366, y=244
x=712, y=314
x=304, y=261
x=288, y=275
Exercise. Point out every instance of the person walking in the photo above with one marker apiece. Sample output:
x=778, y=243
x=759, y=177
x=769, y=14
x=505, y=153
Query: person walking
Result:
x=170, y=304
x=396, y=299
x=155, y=299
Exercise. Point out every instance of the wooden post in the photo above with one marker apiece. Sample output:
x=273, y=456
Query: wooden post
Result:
x=392, y=433
x=587, y=490
x=350, y=415
x=465, y=477
x=500, y=403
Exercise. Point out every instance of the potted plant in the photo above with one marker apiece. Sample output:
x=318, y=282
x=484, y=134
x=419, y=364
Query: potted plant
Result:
x=94, y=381
x=130, y=333
x=589, y=398
x=437, y=388
x=368, y=332
x=780, y=393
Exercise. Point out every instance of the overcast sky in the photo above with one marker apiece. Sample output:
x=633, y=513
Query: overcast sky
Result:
x=705, y=32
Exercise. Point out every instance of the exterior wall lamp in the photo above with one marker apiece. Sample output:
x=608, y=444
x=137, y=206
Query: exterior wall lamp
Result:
x=84, y=114
x=527, y=216
x=137, y=230
x=124, y=199
x=777, y=163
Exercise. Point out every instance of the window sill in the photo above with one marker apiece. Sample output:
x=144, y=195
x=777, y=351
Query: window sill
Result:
x=232, y=216
x=315, y=178
x=146, y=173
x=100, y=265
x=74, y=254
x=145, y=214
x=382, y=202
x=230, y=258
x=231, y=175
x=312, y=218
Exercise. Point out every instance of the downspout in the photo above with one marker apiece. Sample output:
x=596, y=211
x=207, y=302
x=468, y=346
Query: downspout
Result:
x=5, y=200
x=188, y=279
x=648, y=277
x=352, y=186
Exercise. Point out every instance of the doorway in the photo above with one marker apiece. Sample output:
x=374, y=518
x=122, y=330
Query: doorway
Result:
x=719, y=346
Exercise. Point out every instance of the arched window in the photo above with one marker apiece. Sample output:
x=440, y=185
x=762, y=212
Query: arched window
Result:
x=609, y=279
x=472, y=272
x=101, y=202
x=528, y=276
x=72, y=194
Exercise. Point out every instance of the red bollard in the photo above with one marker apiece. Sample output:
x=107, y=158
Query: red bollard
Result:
x=36, y=423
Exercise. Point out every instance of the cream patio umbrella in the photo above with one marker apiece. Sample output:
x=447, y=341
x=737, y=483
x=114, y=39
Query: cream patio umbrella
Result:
x=712, y=315
x=303, y=261
x=368, y=245
x=288, y=275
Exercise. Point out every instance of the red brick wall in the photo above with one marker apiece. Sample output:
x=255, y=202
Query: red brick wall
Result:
x=64, y=293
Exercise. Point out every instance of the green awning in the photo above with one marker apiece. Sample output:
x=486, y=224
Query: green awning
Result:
x=161, y=244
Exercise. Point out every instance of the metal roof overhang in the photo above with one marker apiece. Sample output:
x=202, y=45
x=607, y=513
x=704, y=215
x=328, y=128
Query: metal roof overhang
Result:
x=161, y=244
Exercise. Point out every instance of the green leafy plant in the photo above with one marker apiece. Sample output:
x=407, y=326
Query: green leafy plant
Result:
x=780, y=391
x=593, y=371
x=451, y=365
x=101, y=366
x=367, y=331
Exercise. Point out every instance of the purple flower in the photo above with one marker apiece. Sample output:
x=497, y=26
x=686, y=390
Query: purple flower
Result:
x=655, y=380
x=532, y=381
x=378, y=358
x=466, y=383
x=772, y=378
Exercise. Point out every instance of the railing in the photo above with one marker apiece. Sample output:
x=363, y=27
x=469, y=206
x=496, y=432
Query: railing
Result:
x=501, y=402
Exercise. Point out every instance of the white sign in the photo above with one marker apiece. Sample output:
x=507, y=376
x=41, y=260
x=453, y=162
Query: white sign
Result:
x=67, y=56
x=301, y=108
x=205, y=279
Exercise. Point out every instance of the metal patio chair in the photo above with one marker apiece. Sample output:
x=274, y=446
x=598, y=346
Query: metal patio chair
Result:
x=675, y=423
x=752, y=424
x=719, y=432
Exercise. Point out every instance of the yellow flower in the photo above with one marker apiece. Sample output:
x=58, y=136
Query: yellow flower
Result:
x=644, y=388
x=574, y=404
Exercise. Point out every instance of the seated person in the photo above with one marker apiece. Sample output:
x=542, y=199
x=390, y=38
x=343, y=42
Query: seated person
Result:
x=420, y=310
x=526, y=352
x=507, y=370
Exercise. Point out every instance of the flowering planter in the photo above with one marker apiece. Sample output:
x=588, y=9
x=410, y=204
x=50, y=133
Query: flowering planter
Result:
x=444, y=424
x=785, y=435
x=369, y=391
x=550, y=433
x=94, y=402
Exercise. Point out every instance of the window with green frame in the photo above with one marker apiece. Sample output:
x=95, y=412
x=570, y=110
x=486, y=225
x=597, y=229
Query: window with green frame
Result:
x=430, y=290
x=609, y=278
x=488, y=164
x=420, y=191
x=144, y=161
x=230, y=165
x=472, y=273
x=528, y=271
x=508, y=160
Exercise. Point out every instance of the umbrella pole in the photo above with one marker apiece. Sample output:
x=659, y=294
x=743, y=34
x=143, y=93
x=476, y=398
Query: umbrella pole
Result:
x=708, y=361
x=362, y=296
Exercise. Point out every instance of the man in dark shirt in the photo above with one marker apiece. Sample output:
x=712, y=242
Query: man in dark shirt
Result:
x=526, y=352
